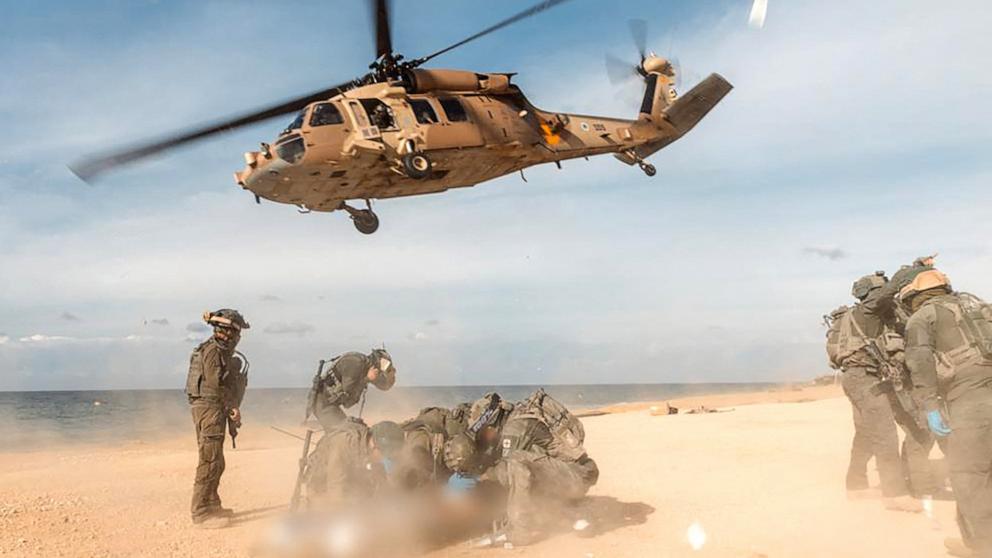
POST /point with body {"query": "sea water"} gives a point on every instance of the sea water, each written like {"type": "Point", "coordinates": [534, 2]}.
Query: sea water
{"type": "Point", "coordinates": [39, 419]}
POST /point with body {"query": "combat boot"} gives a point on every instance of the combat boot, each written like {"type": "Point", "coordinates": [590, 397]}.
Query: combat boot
{"type": "Point", "coordinates": [903, 503]}
{"type": "Point", "coordinates": [956, 547]}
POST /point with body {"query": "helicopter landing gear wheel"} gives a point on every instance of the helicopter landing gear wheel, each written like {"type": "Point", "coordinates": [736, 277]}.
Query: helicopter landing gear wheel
{"type": "Point", "coordinates": [417, 165]}
{"type": "Point", "coordinates": [648, 168]}
{"type": "Point", "coordinates": [365, 220]}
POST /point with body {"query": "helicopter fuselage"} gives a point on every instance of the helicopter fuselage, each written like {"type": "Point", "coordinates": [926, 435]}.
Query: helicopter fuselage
{"type": "Point", "coordinates": [473, 128]}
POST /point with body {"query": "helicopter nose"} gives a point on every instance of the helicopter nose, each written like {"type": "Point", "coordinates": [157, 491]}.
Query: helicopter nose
{"type": "Point", "coordinates": [251, 162]}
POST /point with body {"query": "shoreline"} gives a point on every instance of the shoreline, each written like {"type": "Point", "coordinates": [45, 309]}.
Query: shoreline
{"type": "Point", "coordinates": [784, 393]}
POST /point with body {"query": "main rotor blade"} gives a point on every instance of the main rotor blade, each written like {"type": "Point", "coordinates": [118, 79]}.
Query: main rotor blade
{"type": "Point", "coordinates": [383, 39]}
{"type": "Point", "coordinates": [89, 168]}
{"type": "Point", "coordinates": [533, 10]}
{"type": "Point", "coordinates": [639, 31]}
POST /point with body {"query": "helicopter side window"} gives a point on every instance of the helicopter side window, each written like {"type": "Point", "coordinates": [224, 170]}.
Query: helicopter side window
{"type": "Point", "coordinates": [380, 114]}
{"type": "Point", "coordinates": [325, 114]}
{"type": "Point", "coordinates": [423, 111]}
{"type": "Point", "coordinates": [454, 110]}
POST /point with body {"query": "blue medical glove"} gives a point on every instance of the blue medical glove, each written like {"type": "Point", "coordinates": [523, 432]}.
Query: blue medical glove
{"type": "Point", "coordinates": [937, 425]}
{"type": "Point", "coordinates": [461, 483]}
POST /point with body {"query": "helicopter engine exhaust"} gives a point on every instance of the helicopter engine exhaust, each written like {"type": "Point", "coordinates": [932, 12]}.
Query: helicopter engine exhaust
{"type": "Point", "coordinates": [423, 81]}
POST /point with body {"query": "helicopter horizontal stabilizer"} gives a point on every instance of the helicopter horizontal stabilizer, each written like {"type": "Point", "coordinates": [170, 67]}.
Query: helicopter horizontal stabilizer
{"type": "Point", "coordinates": [690, 108]}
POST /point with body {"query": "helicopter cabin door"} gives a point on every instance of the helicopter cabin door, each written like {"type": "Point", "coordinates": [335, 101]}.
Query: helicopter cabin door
{"type": "Point", "coordinates": [450, 127]}
{"type": "Point", "coordinates": [325, 131]}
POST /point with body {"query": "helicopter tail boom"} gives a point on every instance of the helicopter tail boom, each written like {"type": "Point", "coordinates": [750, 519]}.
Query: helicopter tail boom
{"type": "Point", "coordinates": [689, 109]}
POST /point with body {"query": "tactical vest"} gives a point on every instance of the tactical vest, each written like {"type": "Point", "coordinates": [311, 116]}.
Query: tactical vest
{"type": "Point", "coordinates": [195, 386]}
{"type": "Point", "coordinates": [973, 319]}
{"type": "Point", "coordinates": [844, 337]}
{"type": "Point", "coordinates": [432, 422]}
{"type": "Point", "coordinates": [333, 388]}
{"type": "Point", "coordinates": [194, 378]}
{"type": "Point", "coordinates": [566, 429]}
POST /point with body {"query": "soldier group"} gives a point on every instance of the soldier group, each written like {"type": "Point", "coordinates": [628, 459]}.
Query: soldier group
{"type": "Point", "coordinates": [913, 353]}
{"type": "Point", "coordinates": [916, 353]}
{"type": "Point", "coordinates": [530, 452]}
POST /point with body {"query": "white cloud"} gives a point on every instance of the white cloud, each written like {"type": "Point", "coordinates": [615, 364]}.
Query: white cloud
{"type": "Point", "coordinates": [41, 338]}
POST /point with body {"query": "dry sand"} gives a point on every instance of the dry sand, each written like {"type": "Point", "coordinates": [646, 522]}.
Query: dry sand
{"type": "Point", "coordinates": [765, 480]}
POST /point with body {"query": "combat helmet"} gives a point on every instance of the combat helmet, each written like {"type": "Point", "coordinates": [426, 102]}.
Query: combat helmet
{"type": "Point", "coordinates": [867, 284]}
{"type": "Point", "coordinates": [486, 412]}
{"type": "Point", "coordinates": [459, 453]}
{"type": "Point", "coordinates": [226, 318]}
{"type": "Point", "coordinates": [924, 281]}
{"type": "Point", "coordinates": [388, 437]}
{"type": "Point", "coordinates": [382, 360]}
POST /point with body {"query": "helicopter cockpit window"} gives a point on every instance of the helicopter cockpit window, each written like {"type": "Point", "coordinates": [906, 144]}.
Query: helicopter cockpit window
{"type": "Point", "coordinates": [297, 122]}
{"type": "Point", "coordinates": [291, 149]}
{"type": "Point", "coordinates": [325, 114]}
{"type": "Point", "coordinates": [379, 113]}
{"type": "Point", "coordinates": [454, 110]}
{"type": "Point", "coordinates": [423, 110]}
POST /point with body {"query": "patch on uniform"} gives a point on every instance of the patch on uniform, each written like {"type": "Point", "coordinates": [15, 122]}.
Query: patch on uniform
{"type": "Point", "coordinates": [507, 444]}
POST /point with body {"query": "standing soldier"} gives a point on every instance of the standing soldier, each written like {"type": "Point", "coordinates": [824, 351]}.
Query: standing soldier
{"type": "Point", "coordinates": [874, 423]}
{"type": "Point", "coordinates": [214, 388]}
{"type": "Point", "coordinates": [345, 383]}
{"type": "Point", "coordinates": [949, 355]}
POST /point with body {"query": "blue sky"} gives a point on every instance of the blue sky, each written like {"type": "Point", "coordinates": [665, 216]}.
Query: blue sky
{"type": "Point", "coordinates": [856, 139]}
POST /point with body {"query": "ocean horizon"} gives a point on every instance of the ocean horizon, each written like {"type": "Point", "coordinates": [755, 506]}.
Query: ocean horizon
{"type": "Point", "coordinates": [37, 419]}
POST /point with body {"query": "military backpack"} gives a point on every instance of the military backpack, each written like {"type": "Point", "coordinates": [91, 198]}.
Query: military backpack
{"type": "Point", "coordinates": [973, 318]}
{"type": "Point", "coordinates": [843, 336]}
{"type": "Point", "coordinates": [565, 427]}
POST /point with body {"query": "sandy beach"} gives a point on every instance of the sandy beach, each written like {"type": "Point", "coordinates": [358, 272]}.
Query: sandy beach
{"type": "Point", "coordinates": [764, 479]}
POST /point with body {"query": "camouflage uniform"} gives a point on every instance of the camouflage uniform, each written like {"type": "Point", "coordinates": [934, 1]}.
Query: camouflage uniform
{"type": "Point", "coordinates": [345, 385]}
{"type": "Point", "coordinates": [534, 474]}
{"type": "Point", "coordinates": [931, 331]}
{"type": "Point", "coordinates": [340, 469]}
{"type": "Point", "coordinates": [211, 396]}
{"type": "Point", "coordinates": [875, 431]}
{"type": "Point", "coordinates": [421, 461]}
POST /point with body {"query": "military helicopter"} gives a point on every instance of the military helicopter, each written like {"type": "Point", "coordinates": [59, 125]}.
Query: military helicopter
{"type": "Point", "coordinates": [403, 130]}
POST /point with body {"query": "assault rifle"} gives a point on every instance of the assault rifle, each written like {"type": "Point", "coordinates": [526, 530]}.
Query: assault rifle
{"type": "Point", "coordinates": [238, 383]}
{"type": "Point", "coordinates": [315, 390]}
{"type": "Point", "coordinates": [294, 502]}
{"type": "Point", "coordinates": [232, 428]}
{"type": "Point", "coordinates": [892, 384]}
